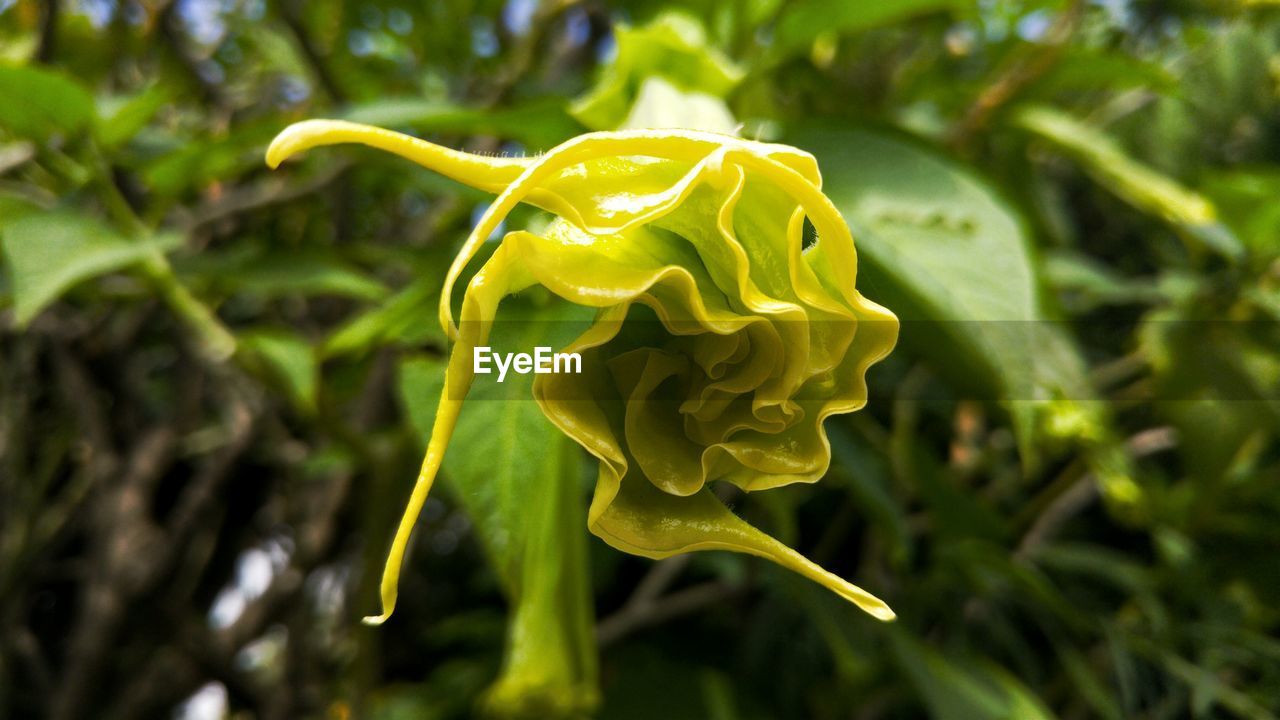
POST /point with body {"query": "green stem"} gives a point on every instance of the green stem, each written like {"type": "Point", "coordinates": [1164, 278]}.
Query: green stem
{"type": "Point", "coordinates": [216, 341]}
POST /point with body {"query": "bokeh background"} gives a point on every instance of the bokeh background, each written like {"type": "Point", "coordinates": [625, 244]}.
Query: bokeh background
{"type": "Point", "coordinates": [214, 377]}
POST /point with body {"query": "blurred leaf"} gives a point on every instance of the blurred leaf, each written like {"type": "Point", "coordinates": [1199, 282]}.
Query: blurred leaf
{"type": "Point", "coordinates": [1247, 199]}
{"type": "Point", "coordinates": [408, 318]}
{"type": "Point", "coordinates": [38, 102]}
{"type": "Point", "coordinates": [291, 359]}
{"type": "Point", "coordinates": [1139, 185]}
{"type": "Point", "coordinates": [48, 253]}
{"type": "Point", "coordinates": [196, 162]}
{"type": "Point", "coordinates": [119, 119]}
{"type": "Point", "coordinates": [519, 478]}
{"type": "Point", "coordinates": [804, 21]}
{"type": "Point", "coordinates": [1090, 284]}
{"type": "Point", "coordinates": [1204, 680]}
{"type": "Point", "coordinates": [870, 480]}
{"type": "Point", "coordinates": [718, 696]}
{"type": "Point", "coordinates": [964, 690]}
{"type": "Point", "coordinates": [673, 47]}
{"type": "Point", "coordinates": [15, 206]}
{"type": "Point", "coordinates": [277, 273]}
{"type": "Point", "coordinates": [661, 105]}
{"type": "Point", "coordinates": [1086, 68]}
{"type": "Point", "coordinates": [539, 123]}
{"type": "Point", "coordinates": [1084, 678]}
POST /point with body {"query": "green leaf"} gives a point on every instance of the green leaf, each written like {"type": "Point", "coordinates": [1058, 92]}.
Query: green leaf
{"type": "Point", "coordinates": [944, 252]}
{"type": "Point", "coordinates": [539, 123]}
{"type": "Point", "coordinates": [299, 272]}
{"type": "Point", "coordinates": [39, 102]}
{"type": "Point", "coordinates": [119, 119]}
{"type": "Point", "coordinates": [48, 253]}
{"type": "Point", "coordinates": [964, 690]}
{"type": "Point", "coordinates": [408, 317]}
{"type": "Point", "coordinates": [662, 105]}
{"type": "Point", "coordinates": [519, 478]}
{"type": "Point", "coordinates": [1090, 284]}
{"type": "Point", "coordinates": [1139, 185]}
{"type": "Point", "coordinates": [870, 480]}
{"type": "Point", "coordinates": [195, 162]}
{"type": "Point", "coordinates": [804, 21]}
{"type": "Point", "coordinates": [291, 359]}
{"type": "Point", "coordinates": [674, 48]}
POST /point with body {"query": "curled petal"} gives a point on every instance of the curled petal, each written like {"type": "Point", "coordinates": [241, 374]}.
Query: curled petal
{"type": "Point", "coordinates": [720, 344]}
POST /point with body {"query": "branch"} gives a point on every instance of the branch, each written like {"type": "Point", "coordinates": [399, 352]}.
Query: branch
{"type": "Point", "coordinates": [291, 13]}
{"type": "Point", "coordinates": [1080, 493]}
{"type": "Point", "coordinates": [668, 607]}
{"type": "Point", "coordinates": [1020, 72]}
{"type": "Point", "coordinates": [648, 606]}
{"type": "Point", "coordinates": [48, 30]}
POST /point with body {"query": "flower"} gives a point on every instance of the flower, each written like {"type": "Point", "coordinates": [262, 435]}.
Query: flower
{"type": "Point", "coordinates": [720, 342]}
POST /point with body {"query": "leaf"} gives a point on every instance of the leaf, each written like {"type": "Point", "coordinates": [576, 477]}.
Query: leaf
{"type": "Point", "coordinates": [48, 253]}
{"type": "Point", "coordinates": [298, 272]}
{"type": "Point", "coordinates": [870, 480]}
{"type": "Point", "coordinates": [519, 479]}
{"type": "Point", "coordinates": [291, 359]}
{"type": "Point", "coordinates": [674, 48]}
{"type": "Point", "coordinates": [195, 162]}
{"type": "Point", "coordinates": [538, 123]}
{"type": "Point", "coordinates": [804, 21]}
{"type": "Point", "coordinates": [1089, 69]}
{"type": "Point", "coordinates": [39, 102]}
{"type": "Point", "coordinates": [964, 690]}
{"type": "Point", "coordinates": [408, 317]}
{"type": "Point", "coordinates": [119, 119]}
{"type": "Point", "coordinates": [941, 249]}
{"type": "Point", "coordinates": [1091, 284]}
{"type": "Point", "coordinates": [662, 105]}
{"type": "Point", "coordinates": [1139, 185]}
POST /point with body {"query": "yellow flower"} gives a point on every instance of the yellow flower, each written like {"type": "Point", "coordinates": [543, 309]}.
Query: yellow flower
{"type": "Point", "coordinates": [719, 345]}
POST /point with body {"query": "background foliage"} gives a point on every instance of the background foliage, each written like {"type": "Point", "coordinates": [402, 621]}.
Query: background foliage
{"type": "Point", "coordinates": [215, 380]}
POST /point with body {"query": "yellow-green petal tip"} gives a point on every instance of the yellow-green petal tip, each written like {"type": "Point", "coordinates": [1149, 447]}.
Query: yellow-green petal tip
{"type": "Point", "coordinates": [295, 139]}
{"type": "Point", "coordinates": [375, 620]}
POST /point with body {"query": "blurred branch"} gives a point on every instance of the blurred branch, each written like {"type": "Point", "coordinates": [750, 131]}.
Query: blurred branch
{"type": "Point", "coordinates": [1021, 71]}
{"type": "Point", "coordinates": [1077, 490]}
{"type": "Point", "coordinates": [291, 13]}
{"type": "Point", "coordinates": [123, 539]}
{"type": "Point", "coordinates": [665, 608]}
{"type": "Point", "coordinates": [51, 10]}
{"type": "Point", "coordinates": [525, 52]}
{"type": "Point", "coordinates": [648, 605]}
{"type": "Point", "coordinates": [272, 191]}
{"type": "Point", "coordinates": [169, 27]}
